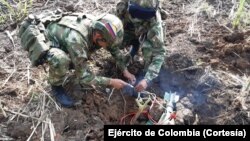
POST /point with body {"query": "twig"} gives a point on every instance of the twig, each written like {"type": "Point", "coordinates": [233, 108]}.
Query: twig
{"type": "Point", "coordinates": [23, 115]}
{"type": "Point", "coordinates": [125, 103]}
{"type": "Point", "coordinates": [78, 3]}
{"type": "Point", "coordinates": [42, 111]}
{"type": "Point", "coordinates": [244, 94]}
{"type": "Point", "coordinates": [221, 116]}
{"type": "Point", "coordinates": [85, 137]}
{"type": "Point", "coordinates": [43, 114]}
{"type": "Point", "coordinates": [247, 86]}
{"type": "Point", "coordinates": [11, 38]}
{"type": "Point", "coordinates": [4, 114]}
{"type": "Point", "coordinates": [39, 122]}
{"type": "Point", "coordinates": [196, 121]}
{"type": "Point", "coordinates": [14, 70]}
{"type": "Point", "coordinates": [11, 18]}
{"type": "Point", "coordinates": [52, 131]}
{"type": "Point", "coordinates": [237, 54]}
{"type": "Point", "coordinates": [28, 74]}
{"type": "Point", "coordinates": [57, 107]}
{"type": "Point", "coordinates": [43, 104]}
{"type": "Point", "coordinates": [44, 128]}
{"type": "Point", "coordinates": [111, 93]}
{"type": "Point", "coordinates": [23, 108]}
{"type": "Point", "coordinates": [19, 69]}
{"type": "Point", "coordinates": [29, 93]}
{"type": "Point", "coordinates": [231, 31]}
{"type": "Point", "coordinates": [6, 139]}
{"type": "Point", "coordinates": [96, 4]}
{"type": "Point", "coordinates": [46, 2]}
{"type": "Point", "coordinates": [188, 68]}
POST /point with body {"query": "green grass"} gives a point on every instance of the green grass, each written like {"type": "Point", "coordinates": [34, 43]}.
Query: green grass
{"type": "Point", "coordinates": [14, 11]}
{"type": "Point", "coordinates": [242, 17]}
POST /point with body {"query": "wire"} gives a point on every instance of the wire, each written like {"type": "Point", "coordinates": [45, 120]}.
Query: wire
{"type": "Point", "coordinates": [132, 114]}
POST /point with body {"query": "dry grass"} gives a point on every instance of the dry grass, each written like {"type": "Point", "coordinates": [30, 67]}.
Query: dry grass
{"type": "Point", "coordinates": [40, 105]}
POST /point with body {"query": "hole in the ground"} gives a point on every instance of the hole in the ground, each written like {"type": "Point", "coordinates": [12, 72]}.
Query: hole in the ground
{"type": "Point", "coordinates": [193, 86]}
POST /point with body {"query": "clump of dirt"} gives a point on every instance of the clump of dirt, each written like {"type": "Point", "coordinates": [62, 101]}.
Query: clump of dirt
{"type": "Point", "coordinates": [229, 51]}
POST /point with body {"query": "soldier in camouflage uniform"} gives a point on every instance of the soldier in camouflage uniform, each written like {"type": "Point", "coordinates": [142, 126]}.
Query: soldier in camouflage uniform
{"type": "Point", "coordinates": [62, 40]}
{"type": "Point", "coordinates": [143, 30]}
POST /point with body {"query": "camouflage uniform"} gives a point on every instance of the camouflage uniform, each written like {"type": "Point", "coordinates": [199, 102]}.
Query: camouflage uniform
{"type": "Point", "coordinates": [149, 33]}
{"type": "Point", "coordinates": [70, 41]}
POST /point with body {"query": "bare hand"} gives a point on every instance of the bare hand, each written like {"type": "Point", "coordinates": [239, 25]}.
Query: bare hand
{"type": "Point", "coordinates": [141, 86]}
{"type": "Point", "coordinates": [129, 76]}
{"type": "Point", "coordinates": [117, 83]}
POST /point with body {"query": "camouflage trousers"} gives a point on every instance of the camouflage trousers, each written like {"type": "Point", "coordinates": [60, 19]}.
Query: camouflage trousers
{"type": "Point", "coordinates": [151, 45]}
{"type": "Point", "coordinates": [44, 46]}
{"type": "Point", "coordinates": [69, 49]}
{"type": "Point", "coordinates": [58, 60]}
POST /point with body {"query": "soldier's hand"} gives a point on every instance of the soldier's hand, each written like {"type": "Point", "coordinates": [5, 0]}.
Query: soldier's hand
{"type": "Point", "coordinates": [129, 76]}
{"type": "Point", "coordinates": [118, 83]}
{"type": "Point", "coordinates": [141, 86]}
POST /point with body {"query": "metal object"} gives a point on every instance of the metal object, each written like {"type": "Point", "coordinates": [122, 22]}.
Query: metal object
{"type": "Point", "coordinates": [168, 116]}
{"type": "Point", "coordinates": [129, 90]}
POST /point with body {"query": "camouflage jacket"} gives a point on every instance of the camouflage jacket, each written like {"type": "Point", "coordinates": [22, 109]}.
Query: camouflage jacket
{"type": "Point", "coordinates": [80, 46]}
{"type": "Point", "coordinates": [153, 45]}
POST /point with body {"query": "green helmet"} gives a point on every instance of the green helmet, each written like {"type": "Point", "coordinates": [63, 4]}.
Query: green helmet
{"type": "Point", "coordinates": [111, 27]}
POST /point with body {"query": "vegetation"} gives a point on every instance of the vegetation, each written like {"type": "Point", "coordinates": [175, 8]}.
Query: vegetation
{"type": "Point", "coordinates": [242, 15]}
{"type": "Point", "coordinates": [13, 11]}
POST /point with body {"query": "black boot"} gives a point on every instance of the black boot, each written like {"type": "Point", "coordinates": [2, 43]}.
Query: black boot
{"type": "Point", "coordinates": [62, 96]}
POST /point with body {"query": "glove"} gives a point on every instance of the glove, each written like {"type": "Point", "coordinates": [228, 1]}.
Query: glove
{"type": "Point", "coordinates": [129, 90]}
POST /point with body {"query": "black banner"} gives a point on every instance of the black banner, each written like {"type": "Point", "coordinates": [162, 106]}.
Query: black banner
{"type": "Point", "coordinates": [201, 132]}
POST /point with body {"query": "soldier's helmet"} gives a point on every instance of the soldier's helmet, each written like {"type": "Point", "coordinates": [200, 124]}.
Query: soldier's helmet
{"type": "Point", "coordinates": [111, 27]}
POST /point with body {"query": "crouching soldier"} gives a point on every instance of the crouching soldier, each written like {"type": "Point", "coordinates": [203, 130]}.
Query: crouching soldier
{"type": "Point", "coordinates": [144, 31]}
{"type": "Point", "coordinates": [61, 40]}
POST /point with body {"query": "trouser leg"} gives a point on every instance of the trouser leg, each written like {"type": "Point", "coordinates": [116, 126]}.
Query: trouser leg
{"type": "Point", "coordinates": [59, 63]}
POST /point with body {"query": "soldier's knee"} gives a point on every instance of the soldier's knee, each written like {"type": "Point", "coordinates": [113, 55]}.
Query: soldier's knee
{"type": "Point", "coordinates": [58, 58]}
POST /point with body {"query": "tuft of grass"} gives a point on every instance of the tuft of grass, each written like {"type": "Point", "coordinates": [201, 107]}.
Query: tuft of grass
{"type": "Point", "coordinates": [13, 11]}
{"type": "Point", "coordinates": [241, 15]}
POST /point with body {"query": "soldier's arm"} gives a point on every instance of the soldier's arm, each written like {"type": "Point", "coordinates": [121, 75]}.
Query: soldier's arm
{"type": "Point", "coordinates": [158, 52]}
{"type": "Point", "coordinates": [77, 49]}
{"type": "Point", "coordinates": [121, 62]}
{"type": "Point", "coordinates": [121, 59]}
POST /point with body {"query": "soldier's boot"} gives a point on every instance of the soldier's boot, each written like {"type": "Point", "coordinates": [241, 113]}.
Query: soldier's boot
{"type": "Point", "coordinates": [62, 97]}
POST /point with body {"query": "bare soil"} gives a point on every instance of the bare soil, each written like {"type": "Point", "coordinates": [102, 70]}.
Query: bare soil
{"type": "Point", "coordinates": [207, 65]}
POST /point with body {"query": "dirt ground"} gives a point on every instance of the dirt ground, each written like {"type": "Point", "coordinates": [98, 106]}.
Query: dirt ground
{"type": "Point", "coordinates": [207, 65]}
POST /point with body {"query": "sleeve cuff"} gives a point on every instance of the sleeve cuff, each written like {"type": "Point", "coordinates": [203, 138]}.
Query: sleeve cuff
{"type": "Point", "coordinates": [148, 81]}
{"type": "Point", "coordinates": [104, 81]}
